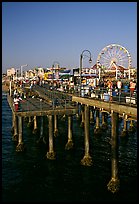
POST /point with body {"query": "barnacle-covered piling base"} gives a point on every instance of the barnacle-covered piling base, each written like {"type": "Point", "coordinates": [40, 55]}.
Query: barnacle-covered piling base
{"type": "Point", "coordinates": [51, 155]}
{"type": "Point", "coordinates": [87, 161]}
{"type": "Point", "coordinates": [69, 145]}
{"type": "Point", "coordinates": [114, 185]}
{"type": "Point", "coordinates": [20, 147]}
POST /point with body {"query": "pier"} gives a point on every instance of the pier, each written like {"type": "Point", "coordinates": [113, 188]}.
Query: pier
{"type": "Point", "coordinates": [52, 103]}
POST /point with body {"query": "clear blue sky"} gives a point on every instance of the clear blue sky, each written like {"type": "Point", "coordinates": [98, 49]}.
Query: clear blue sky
{"type": "Point", "coordinates": [39, 33]}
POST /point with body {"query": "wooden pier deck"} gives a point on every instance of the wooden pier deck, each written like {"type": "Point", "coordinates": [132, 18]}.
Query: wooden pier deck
{"type": "Point", "coordinates": [44, 102]}
{"type": "Point", "coordinates": [40, 107]}
{"type": "Point", "coordinates": [109, 106]}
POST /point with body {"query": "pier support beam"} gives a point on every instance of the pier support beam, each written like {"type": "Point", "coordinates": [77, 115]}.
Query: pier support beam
{"type": "Point", "coordinates": [35, 125]}
{"type": "Point", "coordinates": [69, 144]}
{"type": "Point", "coordinates": [42, 128]}
{"type": "Point", "coordinates": [42, 131]}
{"type": "Point", "coordinates": [51, 154]}
{"type": "Point", "coordinates": [87, 160]}
{"type": "Point", "coordinates": [55, 126]}
{"type": "Point", "coordinates": [104, 124]}
{"type": "Point", "coordinates": [15, 129]}
{"type": "Point", "coordinates": [131, 126]}
{"type": "Point", "coordinates": [79, 109]}
{"type": "Point", "coordinates": [97, 128]}
{"type": "Point", "coordinates": [63, 117]}
{"type": "Point", "coordinates": [82, 116]}
{"type": "Point", "coordinates": [124, 131]}
{"type": "Point", "coordinates": [114, 183]}
{"type": "Point", "coordinates": [20, 146]}
{"type": "Point", "coordinates": [26, 119]}
{"type": "Point", "coordinates": [91, 115]}
{"type": "Point", "coordinates": [29, 122]}
{"type": "Point", "coordinates": [77, 116]}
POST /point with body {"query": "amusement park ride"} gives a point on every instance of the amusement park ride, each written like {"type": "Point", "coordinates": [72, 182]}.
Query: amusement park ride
{"type": "Point", "coordinates": [114, 58]}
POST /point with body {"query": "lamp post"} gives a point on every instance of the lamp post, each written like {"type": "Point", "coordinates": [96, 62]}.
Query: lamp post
{"type": "Point", "coordinates": [16, 73]}
{"type": "Point", "coordinates": [58, 65]}
{"type": "Point", "coordinates": [10, 89]}
{"type": "Point", "coordinates": [80, 70]}
{"type": "Point", "coordinates": [22, 68]}
{"type": "Point", "coordinates": [53, 67]}
{"type": "Point", "coordinates": [129, 73]}
{"type": "Point", "coordinates": [99, 68]}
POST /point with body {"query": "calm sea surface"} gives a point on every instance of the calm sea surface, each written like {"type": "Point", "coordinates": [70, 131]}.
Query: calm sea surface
{"type": "Point", "coordinates": [29, 176]}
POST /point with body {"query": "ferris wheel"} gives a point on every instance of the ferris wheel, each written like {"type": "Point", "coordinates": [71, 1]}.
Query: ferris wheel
{"type": "Point", "coordinates": [114, 56]}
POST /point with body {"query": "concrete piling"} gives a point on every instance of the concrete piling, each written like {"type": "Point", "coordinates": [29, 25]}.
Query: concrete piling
{"type": "Point", "coordinates": [69, 144]}
{"type": "Point", "coordinates": [15, 128]}
{"type": "Point", "coordinates": [20, 146]}
{"type": "Point", "coordinates": [55, 126]}
{"type": "Point", "coordinates": [50, 154]}
{"type": "Point", "coordinates": [114, 183]}
{"type": "Point", "coordinates": [35, 125]}
{"type": "Point", "coordinates": [82, 116]}
{"type": "Point", "coordinates": [97, 128]}
{"type": "Point", "coordinates": [87, 160]}
{"type": "Point", "coordinates": [124, 131]}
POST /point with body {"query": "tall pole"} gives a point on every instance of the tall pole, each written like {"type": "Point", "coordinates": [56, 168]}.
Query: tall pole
{"type": "Point", "coordinates": [116, 72]}
{"type": "Point", "coordinates": [80, 70]}
{"type": "Point", "coordinates": [16, 74]}
{"type": "Point", "coordinates": [99, 69]}
{"type": "Point", "coordinates": [10, 87]}
{"type": "Point", "coordinates": [22, 68]}
{"type": "Point", "coordinates": [81, 57]}
{"type": "Point", "coordinates": [129, 73]}
{"type": "Point", "coordinates": [56, 68]}
{"type": "Point", "coordinates": [22, 73]}
{"type": "Point", "coordinates": [53, 68]}
{"type": "Point", "coordinates": [53, 99]}
{"type": "Point", "coordinates": [99, 72]}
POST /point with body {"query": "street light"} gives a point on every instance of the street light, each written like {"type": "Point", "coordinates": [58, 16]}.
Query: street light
{"type": "Point", "coordinates": [53, 67]}
{"type": "Point", "coordinates": [80, 70]}
{"type": "Point", "coordinates": [56, 62]}
{"type": "Point", "coordinates": [99, 65]}
{"type": "Point", "coordinates": [16, 73]}
{"type": "Point", "coordinates": [22, 68]}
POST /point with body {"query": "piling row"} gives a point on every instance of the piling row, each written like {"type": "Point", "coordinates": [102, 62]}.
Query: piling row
{"type": "Point", "coordinates": [88, 113]}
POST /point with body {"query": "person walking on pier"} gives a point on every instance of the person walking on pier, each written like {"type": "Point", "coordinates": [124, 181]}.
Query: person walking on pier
{"type": "Point", "coordinates": [110, 85]}
{"type": "Point", "coordinates": [119, 85]}
{"type": "Point", "coordinates": [132, 87]}
{"type": "Point", "coordinates": [16, 102]}
{"type": "Point", "coordinates": [15, 93]}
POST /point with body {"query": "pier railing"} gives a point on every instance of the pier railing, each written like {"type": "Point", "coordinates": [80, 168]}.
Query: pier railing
{"type": "Point", "coordinates": [121, 96]}
{"type": "Point", "coordinates": [58, 99]}
{"type": "Point", "coordinates": [63, 99]}
{"type": "Point", "coordinates": [42, 99]}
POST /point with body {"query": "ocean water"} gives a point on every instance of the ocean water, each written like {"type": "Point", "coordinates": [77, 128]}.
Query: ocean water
{"type": "Point", "coordinates": [30, 177]}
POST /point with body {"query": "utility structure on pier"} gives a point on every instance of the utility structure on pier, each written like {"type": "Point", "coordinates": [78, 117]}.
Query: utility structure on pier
{"type": "Point", "coordinates": [81, 65]}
